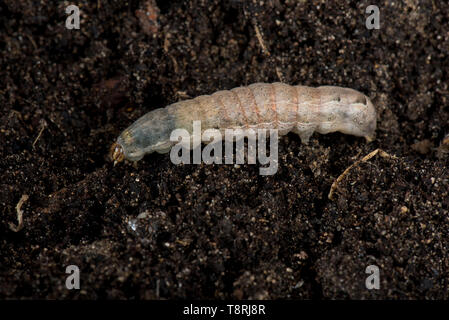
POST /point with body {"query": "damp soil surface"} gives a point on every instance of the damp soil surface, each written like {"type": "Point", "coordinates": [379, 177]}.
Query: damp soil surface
{"type": "Point", "coordinates": [157, 230]}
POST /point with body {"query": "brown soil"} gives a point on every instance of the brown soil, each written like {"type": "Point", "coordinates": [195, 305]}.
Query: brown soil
{"type": "Point", "coordinates": [218, 231]}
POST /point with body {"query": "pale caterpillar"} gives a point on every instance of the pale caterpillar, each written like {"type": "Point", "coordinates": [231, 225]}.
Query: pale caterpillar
{"type": "Point", "coordinates": [300, 109]}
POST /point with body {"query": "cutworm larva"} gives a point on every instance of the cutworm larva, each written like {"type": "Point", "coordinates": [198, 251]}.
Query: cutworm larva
{"type": "Point", "coordinates": [300, 109]}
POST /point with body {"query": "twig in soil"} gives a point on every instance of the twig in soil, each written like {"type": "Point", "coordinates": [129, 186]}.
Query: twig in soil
{"type": "Point", "coordinates": [266, 52]}
{"type": "Point", "coordinates": [280, 75]}
{"type": "Point", "coordinates": [43, 125]}
{"type": "Point", "coordinates": [19, 214]}
{"type": "Point", "coordinates": [32, 41]}
{"type": "Point", "coordinates": [382, 153]}
{"type": "Point", "coordinates": [260, 39]}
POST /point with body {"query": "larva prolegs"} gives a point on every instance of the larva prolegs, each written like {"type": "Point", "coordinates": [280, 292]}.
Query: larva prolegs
{"type": "Point", "coordinates": [305, 132]}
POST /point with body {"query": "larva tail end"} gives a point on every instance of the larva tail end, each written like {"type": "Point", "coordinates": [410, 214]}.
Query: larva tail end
{"type": "Point", "coordinates": [116, 153]}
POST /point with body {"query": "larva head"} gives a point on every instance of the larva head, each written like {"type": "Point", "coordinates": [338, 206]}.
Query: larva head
{"type": "Point", "coordinates": [128, 146]}
{"type": "Point", "coordinates": [116, 153]}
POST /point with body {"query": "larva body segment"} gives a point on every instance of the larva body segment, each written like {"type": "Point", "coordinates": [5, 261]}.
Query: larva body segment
{"type": "Point", "coordinates": [271, 106]}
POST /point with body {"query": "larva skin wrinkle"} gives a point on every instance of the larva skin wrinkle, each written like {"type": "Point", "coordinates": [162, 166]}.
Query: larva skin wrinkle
{"type": "Point", "coordinates": [300, 109]}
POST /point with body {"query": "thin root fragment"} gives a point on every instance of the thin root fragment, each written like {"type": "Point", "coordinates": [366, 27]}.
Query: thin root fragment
{"type": "Point", "coordinates": [280, 75]}
{"type": "Point", "coordinates": [260, 38]}
{"type": "Point", "coordinates": [19, 214]}
{"type": "Point", "coordinates": [43, 125]}
{"type": "Point", "coordinates": [382, 153]}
